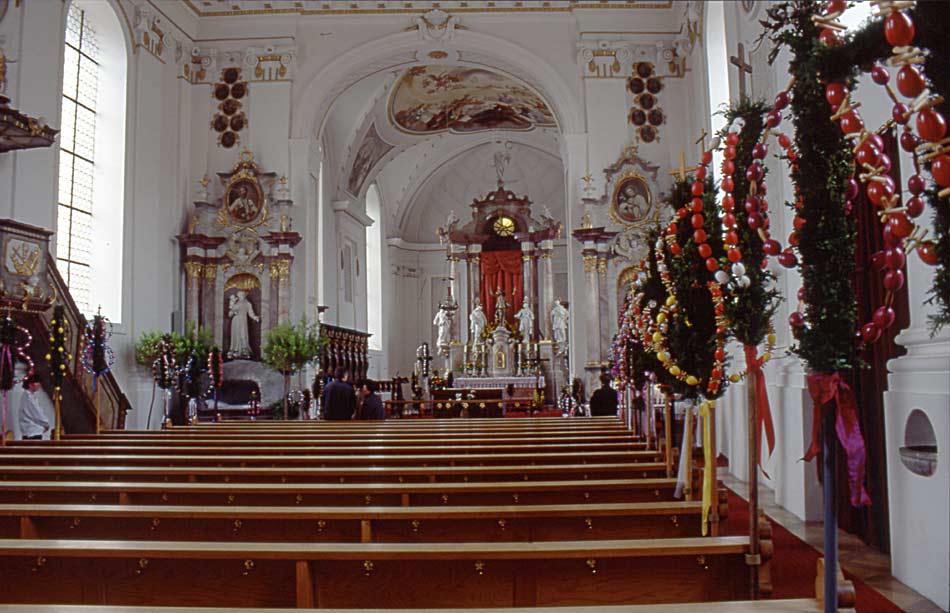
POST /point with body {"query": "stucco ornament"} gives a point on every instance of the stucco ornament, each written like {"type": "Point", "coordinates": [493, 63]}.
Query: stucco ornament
{"type": "Point", "coordinates": [436, 26]}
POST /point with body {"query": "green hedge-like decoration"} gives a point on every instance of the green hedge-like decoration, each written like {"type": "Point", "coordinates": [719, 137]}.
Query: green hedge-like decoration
{"type": "Point", "coordinates": [750, 309]}
{"type": "Point", "coordinates": [864, 47]}
{"type": "Point", "coordinates": [824, 166]}
{"type": "Point", "coordinates": [653, 292]}
{"type": "Point", "coordinates": [691, 336]}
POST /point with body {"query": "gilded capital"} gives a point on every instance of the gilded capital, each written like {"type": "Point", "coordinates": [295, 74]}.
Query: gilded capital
{"type": "Point", "coordinates": [193, 269]}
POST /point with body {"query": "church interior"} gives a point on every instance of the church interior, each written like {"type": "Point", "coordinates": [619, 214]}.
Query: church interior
{"type": "Point", "coordinates": [652, 295]}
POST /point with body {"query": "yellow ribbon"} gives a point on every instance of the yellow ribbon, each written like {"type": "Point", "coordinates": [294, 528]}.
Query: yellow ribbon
{"type": "Point", "coordinates": [709, 466]}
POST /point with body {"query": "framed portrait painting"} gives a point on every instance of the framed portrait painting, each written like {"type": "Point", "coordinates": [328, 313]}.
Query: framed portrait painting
{"type": "Point", "coordinates": [244, 200]}
{"type": "Point", "coordinates": [631, 201]}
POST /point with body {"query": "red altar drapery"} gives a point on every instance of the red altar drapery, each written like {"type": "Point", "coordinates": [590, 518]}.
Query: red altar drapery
{"type": "Point", "coordinates": [502, 269]}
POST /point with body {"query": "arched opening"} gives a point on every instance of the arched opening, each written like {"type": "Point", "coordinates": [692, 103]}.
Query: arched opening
{"type": "Point", "coordinates": [91, 195]}
{"type": "Point", "coordinates": [374, 270]}
{"type": "Point", "coordinates": [717, 70]}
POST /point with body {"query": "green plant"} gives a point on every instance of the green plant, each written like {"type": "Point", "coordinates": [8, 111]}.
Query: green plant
{"type": "Point", "coordinates": [290, 347]}
{"type": "Point", "coordinates": [195, 340]}
{"type": "Point", "coordinates": [148, 347]}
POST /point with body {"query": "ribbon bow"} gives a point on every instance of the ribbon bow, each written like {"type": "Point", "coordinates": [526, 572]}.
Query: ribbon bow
{"type": "Point", "coordinates": [762, 410]}
{"type": "Point", "coordinates": [825, 388]}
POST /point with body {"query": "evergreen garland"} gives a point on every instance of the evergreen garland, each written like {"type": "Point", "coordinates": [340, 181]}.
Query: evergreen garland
{"type": "Point", "coordinates": [749, 309]}
{"type": "Point", "coordinates": [653, 293]}
{"type": "Point", "coordinates": [692, 331]}
{"type": "Point", "coordinates": [822, 172]}
{"type": "Point", "coordinates": [864, 47]}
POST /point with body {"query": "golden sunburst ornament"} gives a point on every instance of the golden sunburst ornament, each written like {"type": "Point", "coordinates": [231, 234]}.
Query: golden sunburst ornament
{"type": "Point", "coordinates": [504, 226]}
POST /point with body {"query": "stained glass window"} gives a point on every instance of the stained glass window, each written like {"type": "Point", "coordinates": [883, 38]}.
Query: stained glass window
{"type": "Point", "coordinates": [77, 157]}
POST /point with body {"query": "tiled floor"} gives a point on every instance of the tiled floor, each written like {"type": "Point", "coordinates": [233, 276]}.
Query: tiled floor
{"type": "Point", "coordinates": [867, 563]}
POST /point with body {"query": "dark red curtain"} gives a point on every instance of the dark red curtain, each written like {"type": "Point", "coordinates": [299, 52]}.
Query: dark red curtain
{"type": "Point", "coordinates": [502, 269]}
{"type": "Point", "coordinates": [869, 384]}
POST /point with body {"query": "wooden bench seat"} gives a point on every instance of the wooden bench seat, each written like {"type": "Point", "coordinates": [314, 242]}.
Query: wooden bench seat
{"type": "Point", "coordinates": [354, 474]}
{"type": "Point", "coordinates": [339, 494]}
{"type": "Point", "coordinates": [173, 448]}
{"type": "Point", "coordinates": [564, 573]}
{"type": "Point", "coordinates": [353, 524]}
{"type": "Point", "coordinates": [799, 605]}
{"type": "Point", "coordinates": [326, 438]}
{"type": "Point", "coordinates": [52, 456]}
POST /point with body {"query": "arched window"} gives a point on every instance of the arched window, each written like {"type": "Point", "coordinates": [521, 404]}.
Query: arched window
{"type": "Point", "coordinates": [92, 158]}
{"type": "Point", "coordinates": [374, 270]}
{"type": "Point", "coordinates": [717, 70]}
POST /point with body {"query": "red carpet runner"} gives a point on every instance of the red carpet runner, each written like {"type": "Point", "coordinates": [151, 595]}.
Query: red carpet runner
{"type": "Point", "coordinates": [793, 567]}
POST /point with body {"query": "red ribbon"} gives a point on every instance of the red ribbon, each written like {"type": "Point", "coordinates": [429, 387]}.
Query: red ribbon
{"type": "Point", "coordinates": [762, 409]}
{"type": "Point", "coordinates": [826, 388]}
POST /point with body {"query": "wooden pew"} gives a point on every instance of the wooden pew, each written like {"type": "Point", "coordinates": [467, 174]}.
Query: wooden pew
{"type": "Point", "coordinates": [218, 450]}
{"type": "Point", "coordinates": [99, 457]}
{"type": "Point", "coordinates": [339, 494]}
{"type": "Point", "coordinates": [798, 605]}
{"type": "Point", "coordinates": [562, 573]}
{"type": "Point", "coordinates": [355, 474]}
{"type": "Point", "coordinates": [353, 524]}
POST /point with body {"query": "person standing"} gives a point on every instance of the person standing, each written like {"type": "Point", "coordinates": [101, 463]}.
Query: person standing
{"type": "Point", "coordinates": [33, 421]}
{"type": "Point", "coordinates": [372, 407]}
{"type": "Point", "coordinates": [339, 400]}
{"type": "Point", "coordinates": [604, 400]}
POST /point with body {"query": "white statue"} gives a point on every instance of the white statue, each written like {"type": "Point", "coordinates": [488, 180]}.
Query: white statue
{"type": "Point", "coordinates": [559, 319]}
{"type": "Point", "coordinates": [443, 320]}
{"type": "Point", "coordinates": [476, 324]}
{"type": "Point", "coordinates": [501, 159]}
{"type": "Point", "coordinates": [501, 306]}
{"type": "Point", "coordinates": [239, 309]}
{"type": "Point", "coordinates": [525, 319]}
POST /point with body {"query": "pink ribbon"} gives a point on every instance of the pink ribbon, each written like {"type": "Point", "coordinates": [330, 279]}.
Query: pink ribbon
{"type": "Point", "coordinates": [762, 409]}
{"type": "Point", "coordinates": [825, 388]}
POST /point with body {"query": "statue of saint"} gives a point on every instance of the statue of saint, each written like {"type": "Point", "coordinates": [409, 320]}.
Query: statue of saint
{"type": "Point", "coordinates": [525, 319]}
{"type": "Point", "coordinates": [443, 320]}
{"type": "Point", "coordinates": [501, 305]}
{"type": "Point", "coordinates": [559, 319]}
{"type": "Point", "coordinates": [476, 324]}
{"type": "Point", "coordinates": [239, 309]}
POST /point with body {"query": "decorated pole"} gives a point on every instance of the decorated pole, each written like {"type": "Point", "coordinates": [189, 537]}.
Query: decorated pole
{"type": "Point", "coordinates": [58, 358]}
{"type": "Point", "coordinates": [97, 356]}
{"type": "Point", "coordinates": [667, 433]}
{"type": "Point", "coordinates": [215, 373]}
{"type": "Point", "coordinates": [14, 341]}
{"type": "Point", "coordinates": [164, 370]}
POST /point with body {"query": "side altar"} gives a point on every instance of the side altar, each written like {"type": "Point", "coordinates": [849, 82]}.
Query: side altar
{"type": "Point", "coordinates": [517, 329]}
{"type": "Point", "coordinates": [237, 255]}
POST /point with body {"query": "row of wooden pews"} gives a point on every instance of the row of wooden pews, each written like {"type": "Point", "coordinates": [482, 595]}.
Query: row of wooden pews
{"type": "Point", "coordinates": [455, 513]}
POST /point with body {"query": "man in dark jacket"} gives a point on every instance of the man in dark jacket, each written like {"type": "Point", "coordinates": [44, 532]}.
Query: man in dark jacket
{"type": "Point", "coordinates": [604, 400]}
{"type": "Point", "coordinates": [372, 404]}
{"type": "Point", "coordinates": [339, 400]}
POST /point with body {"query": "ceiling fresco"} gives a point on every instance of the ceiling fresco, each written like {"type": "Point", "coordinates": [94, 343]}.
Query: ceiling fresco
{"type": "Point", "coordinates": [432, 99]}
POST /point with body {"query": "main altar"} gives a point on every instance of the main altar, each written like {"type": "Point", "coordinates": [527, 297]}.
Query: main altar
{"type": "Point", "coordinates": [516, 333]}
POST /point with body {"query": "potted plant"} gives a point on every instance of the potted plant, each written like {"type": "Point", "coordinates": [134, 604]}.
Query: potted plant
{"type": "Point", "coordinates": [290, 347]}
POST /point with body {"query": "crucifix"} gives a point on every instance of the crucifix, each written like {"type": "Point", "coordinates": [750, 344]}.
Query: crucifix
{"type": "Point", "coordinates": [680, 173]}
{"type": "Point", "coordinates": [744, 67]}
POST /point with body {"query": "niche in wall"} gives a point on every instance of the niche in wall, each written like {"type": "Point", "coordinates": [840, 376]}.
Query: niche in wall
{"type": "Point", "coordinates": [919, 453]}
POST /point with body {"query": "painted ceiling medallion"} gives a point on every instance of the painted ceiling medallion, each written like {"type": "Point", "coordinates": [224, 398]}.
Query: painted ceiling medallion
{"type": "Point", "coordinates": [430, 99]}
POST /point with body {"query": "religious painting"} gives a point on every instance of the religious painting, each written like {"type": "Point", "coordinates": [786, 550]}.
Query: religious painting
{"type": "Point", "coordinates": [371, 151]}
{"type": "Point", "coordinates": [429, 99]}
{"type": "Point", "coordinates": [631, 200]}
{"type": "Point", "coordinates": [244, 200]}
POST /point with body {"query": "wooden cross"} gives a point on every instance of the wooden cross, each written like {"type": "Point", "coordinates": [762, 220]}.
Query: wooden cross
{"type": "Point", "coordinates": [745, 68]}
{"type": "Point", "coordinates": [701, 141]}
{"type": "Point", "coordinates": [680, 173]}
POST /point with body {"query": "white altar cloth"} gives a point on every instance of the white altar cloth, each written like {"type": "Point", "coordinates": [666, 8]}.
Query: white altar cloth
{"type": "Point", "coordinates": [497, 382]}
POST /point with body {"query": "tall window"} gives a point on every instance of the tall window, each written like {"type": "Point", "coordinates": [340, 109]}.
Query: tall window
{"type": "Point", "coordinates": [92, 158]}
{"type": "Point", "coordinates": [717, 69]}
{"type": "Point", "coordinates": [374, 270]}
